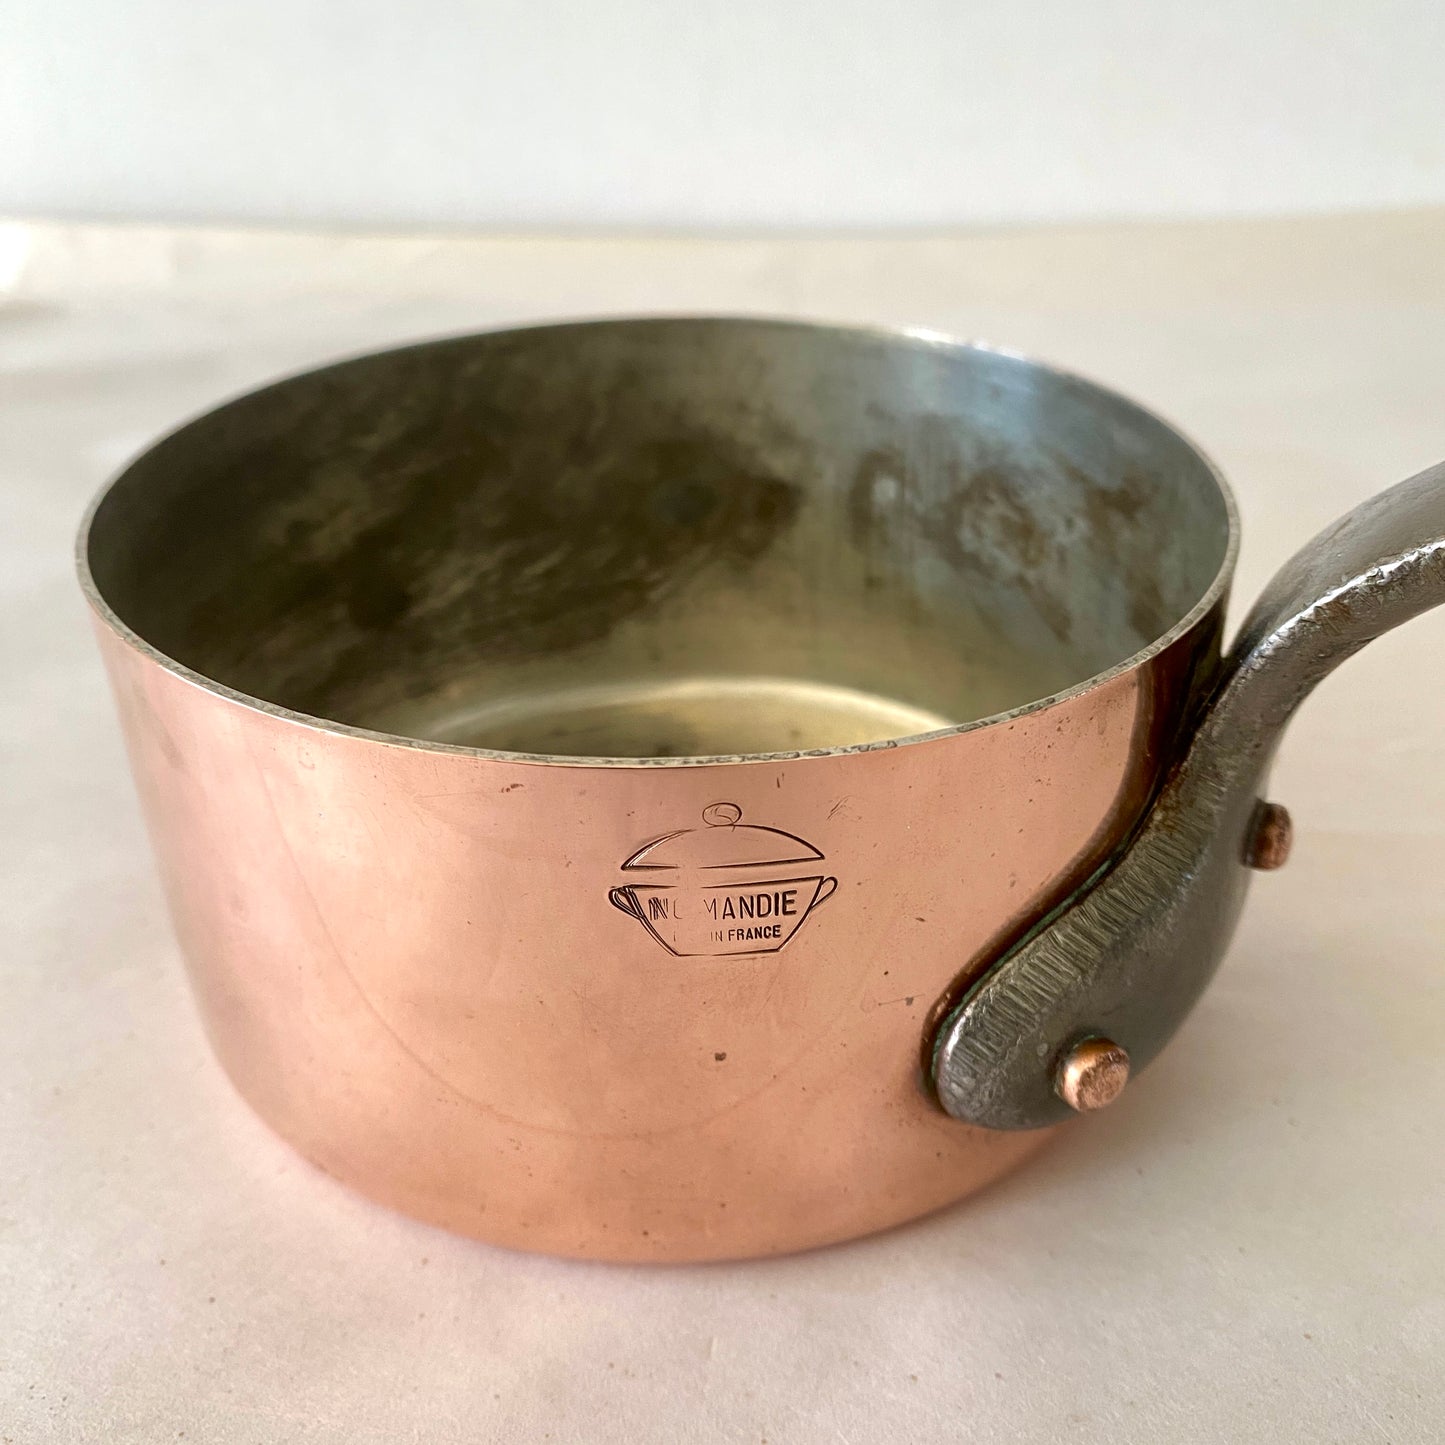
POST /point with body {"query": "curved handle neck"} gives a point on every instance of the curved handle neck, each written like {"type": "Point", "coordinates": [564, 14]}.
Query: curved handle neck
{"type": "Point", "coordinates": [1378, 566]}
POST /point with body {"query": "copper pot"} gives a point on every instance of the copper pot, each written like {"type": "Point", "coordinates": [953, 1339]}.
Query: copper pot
{"type": "Point", "coordinates": [686, 789]}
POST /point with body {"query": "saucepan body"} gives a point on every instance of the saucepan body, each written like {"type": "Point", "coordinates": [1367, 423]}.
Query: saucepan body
{"type": "Point", "coordinates": [583, 759]}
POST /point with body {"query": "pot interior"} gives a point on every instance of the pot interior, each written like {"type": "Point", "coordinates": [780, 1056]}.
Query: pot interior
{"type": "Point", "coordinates": [663, 538]}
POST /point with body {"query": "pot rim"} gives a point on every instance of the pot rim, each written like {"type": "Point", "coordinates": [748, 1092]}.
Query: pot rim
{"type": "Point", "coordinates": [922, 337]}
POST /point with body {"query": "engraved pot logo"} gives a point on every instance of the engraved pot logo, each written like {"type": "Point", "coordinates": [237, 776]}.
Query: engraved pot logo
{"type": "Point", "coordinates": [727, 887]}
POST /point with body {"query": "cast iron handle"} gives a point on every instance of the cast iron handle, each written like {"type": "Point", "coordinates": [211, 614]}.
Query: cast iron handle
{"type": "Point", "coordinates": [1128, 955]}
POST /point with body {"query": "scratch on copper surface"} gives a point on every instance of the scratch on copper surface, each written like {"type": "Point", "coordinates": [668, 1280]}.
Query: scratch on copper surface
{"type": "Point", "coordinates": [907, 999]}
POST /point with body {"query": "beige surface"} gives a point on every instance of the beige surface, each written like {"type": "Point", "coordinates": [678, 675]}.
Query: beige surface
{"type": "Point", "coordinates": [1249, 1247]}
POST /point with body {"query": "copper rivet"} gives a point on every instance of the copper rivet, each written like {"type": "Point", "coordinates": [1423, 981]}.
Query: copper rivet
{"type": "Point", "coordinates": [1092, 1075]}
{"type": "Point", "coordinates": [1269, 844]}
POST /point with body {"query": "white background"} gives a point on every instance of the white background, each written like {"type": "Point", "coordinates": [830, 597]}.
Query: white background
{"type": "Point", "coordinates": [749, 113]}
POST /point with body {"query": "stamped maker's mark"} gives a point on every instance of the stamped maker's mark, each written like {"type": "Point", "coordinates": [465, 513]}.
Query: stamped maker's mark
{"type": "Point", "coordinates": [727, 887]}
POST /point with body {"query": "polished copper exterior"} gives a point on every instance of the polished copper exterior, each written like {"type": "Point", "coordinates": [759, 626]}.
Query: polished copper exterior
{"type": "Point", "coordinates": [408, 963]}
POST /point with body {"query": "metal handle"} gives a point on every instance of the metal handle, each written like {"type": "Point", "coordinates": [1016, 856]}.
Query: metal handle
{"type": "Point", "coordinates": [1127, 956]}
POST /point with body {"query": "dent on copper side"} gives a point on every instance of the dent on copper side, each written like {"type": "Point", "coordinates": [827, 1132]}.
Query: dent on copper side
{"type": "Point", "coordinates": [1128, 957]}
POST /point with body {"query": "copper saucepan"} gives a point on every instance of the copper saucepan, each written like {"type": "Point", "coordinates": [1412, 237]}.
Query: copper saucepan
{"type": "Point", "coordinates": [687, 789]}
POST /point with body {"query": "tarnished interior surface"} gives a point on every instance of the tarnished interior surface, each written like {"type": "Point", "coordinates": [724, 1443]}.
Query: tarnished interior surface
{"type": "Point", "coordinates": [662, 538]}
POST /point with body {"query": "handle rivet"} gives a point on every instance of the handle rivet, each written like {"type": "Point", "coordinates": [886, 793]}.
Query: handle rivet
{"type": "Point", "coordinates": [1269, 843]}
{"type": "Point", "coordinates": [1092, 1075]}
